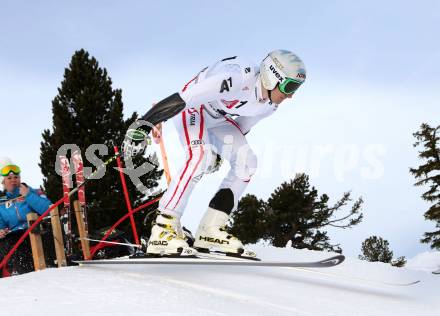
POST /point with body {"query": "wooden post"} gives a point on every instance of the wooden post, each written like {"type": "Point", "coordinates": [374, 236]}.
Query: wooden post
{"type": "Point", "coordinates": [58, 238]}
{"type": "Point", "coordinates": [36, 245]}
{"type": "Point", "coordinates": [82, 232]}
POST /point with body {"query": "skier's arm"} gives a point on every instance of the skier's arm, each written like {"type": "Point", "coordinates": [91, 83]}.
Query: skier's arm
{"type": "Point", "coordinates": [217, 86]}
{"type": "Point", "coordinates": [224, 85]}
{"type": "Point", "coordinates": [136, 139]}
{"type": "Point", "coordinates": [164, 110]}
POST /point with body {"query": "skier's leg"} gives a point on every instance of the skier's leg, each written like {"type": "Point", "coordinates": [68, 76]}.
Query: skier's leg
{"type": "Point", "coordinates": [191, 126]}
{"type": "Point", "coordinates": [167, 235]}
{"type": "Point", "coordinates": [211, 232]}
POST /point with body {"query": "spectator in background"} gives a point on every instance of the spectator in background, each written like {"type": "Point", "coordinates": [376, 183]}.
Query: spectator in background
{"type": "Point", "coordinates": [18, 200]}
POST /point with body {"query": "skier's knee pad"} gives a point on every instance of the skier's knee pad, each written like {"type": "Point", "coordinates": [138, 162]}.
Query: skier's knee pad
{"type": "Point", "coordinates": [223, 201]}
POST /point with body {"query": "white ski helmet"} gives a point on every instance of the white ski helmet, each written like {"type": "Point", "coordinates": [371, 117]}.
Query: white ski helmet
{"type": "Point", "coordinates": [282, 67]}
{"type": "Point", "coordinates": [4, 162]}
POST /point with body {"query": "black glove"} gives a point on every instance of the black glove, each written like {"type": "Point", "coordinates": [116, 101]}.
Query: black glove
{"type": "Point", "coordinates": [136, 140]}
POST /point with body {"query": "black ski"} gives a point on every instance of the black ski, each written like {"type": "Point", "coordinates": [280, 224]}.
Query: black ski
{"type": "Point", "coordinates": [326, 263]}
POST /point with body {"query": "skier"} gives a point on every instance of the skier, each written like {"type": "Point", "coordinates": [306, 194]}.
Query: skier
{"type": "Point", "coordinates": [213, 113]}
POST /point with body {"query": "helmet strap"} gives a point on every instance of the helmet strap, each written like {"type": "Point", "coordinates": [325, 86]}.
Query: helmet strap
{"type": "Point", "coordinates": [269, 93]}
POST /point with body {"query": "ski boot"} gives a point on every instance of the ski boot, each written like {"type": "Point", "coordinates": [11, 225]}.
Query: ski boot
{"type": "Point", "coordinates": [212, 236]}
{"type": "Point", "coordinates": [167, 238]}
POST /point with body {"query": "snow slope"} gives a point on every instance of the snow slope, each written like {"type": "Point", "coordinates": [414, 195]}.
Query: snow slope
{"type": "Point", "coordinates": [425, 261]}
{"type": "Point", "coordinates": [187, 290]}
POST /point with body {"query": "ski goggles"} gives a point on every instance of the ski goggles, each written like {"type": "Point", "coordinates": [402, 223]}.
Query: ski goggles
{"type": "Point", "coordinates": [6, 170]}
{"type": "Point", "coordinates": [289, 85]}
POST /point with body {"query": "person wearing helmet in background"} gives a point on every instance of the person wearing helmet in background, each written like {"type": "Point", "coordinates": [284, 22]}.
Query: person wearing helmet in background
{"type": "Point", "coordinates": [16, 202]}
{"type": "Point", "coordinates": [213, 113]}
{"type": "Point", "coordinates": [19, 199]}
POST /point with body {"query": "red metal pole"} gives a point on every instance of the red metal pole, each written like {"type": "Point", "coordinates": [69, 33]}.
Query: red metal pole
{"type": "Point", "coordinates": [26, 233]}
{"type": "Point", "coordinates": [127, 197]}
{"type": "Point", "coordinates": [121, 220]}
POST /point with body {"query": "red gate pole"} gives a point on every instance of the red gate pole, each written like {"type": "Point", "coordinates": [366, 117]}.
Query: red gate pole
{"type": "Point", "coordinates": [109, 231]}
{"type": "Point", "coordinates": [127, 197]}
{"type": "Point", "coordinates": [26, 233]}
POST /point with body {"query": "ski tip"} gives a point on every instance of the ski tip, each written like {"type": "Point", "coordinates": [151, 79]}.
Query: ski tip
{"type": "Point", "coordinates": [415, 282]}
{"type": "Point", "coordinates": [333, 261]}
{"type": "Point", "coordinates": [403, 284]}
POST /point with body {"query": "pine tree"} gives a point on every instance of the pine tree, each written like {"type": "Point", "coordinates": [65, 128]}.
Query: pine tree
{"type": "Point", "coordinates": [88, 111]}
{"type": "Point", "coordinates": [295, 212]}
{"type": "Point", "coordinates": [429, 174]}
{"type": "Point", "coordinates": [376, 249]}
{"type": "Point", "coordinates": [249, 221]}
{"type": "Point", "coordinates": [399, 262]}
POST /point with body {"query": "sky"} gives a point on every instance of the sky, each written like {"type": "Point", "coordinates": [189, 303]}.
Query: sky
{"type": "Point", "coordinates": [372, 79]}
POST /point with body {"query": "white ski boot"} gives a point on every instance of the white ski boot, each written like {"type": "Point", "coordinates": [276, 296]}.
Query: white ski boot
{"type": "Point", "coordinates": [212, 236]}
{"type": "Point", "coordinates": [167, 238]}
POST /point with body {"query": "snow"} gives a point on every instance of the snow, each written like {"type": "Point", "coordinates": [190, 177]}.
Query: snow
{"type": "Point", "coordinates": [425, 261]}
{"type": "Point", "coordinates": [353, 288]}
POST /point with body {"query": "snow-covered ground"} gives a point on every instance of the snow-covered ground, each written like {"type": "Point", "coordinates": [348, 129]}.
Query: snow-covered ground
{"type": "Point", "coordinates": [353, 288]}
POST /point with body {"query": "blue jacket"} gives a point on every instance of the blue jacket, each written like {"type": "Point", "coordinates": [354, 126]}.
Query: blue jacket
{"type": "Point", "coordinates": [13, 214]}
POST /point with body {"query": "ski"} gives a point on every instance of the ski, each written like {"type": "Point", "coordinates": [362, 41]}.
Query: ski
{"type": "Point", "coordinates": [222, 260]}
{"type": "Point", "coordinates": [226, 256]}
{"type": "Point", "coordinates": [325, 263]}
{"type": "Point", "coordinates": [436, 272]}
{"type": "Point", "coordinates": [66, 213]}
{"type": "Point", "coordinates": [79, 176]}
{"type": "Point", "coordinates": [113, 242]}
{"type": "Point", "coordinates": [356, 279]}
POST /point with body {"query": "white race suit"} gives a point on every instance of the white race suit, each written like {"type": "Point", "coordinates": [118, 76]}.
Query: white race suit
{"type": "Point", "coordinates": [223, 102]}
